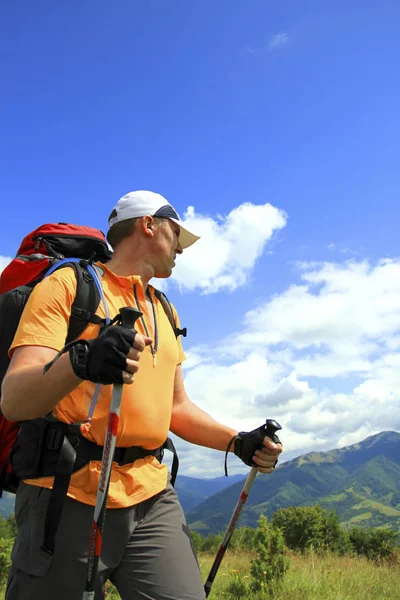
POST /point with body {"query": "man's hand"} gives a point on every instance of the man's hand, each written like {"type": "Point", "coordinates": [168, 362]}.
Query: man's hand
{"type": "Point", "coordinates": [266, 458]}
{"type": "Point", "coordinates": [112, 357]}
{"type": "Point", "coordinates": [256, 449]}
{"type": "Point", "coordinates": [132, 359]}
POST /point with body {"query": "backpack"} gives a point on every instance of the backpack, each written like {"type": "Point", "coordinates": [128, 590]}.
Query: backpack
{"type": "Point", "coordinates": [42, 251]}
{"type": "Point", "coordinates": [46, 247]}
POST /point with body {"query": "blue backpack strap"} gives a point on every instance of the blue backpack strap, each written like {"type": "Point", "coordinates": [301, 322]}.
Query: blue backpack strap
{"type": "Point", "coordinates": [89, 293]}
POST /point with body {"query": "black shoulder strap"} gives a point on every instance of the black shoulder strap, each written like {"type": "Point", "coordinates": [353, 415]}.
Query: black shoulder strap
{"type": "Point", "coordinates": [12, 304]}
{"type": "Point", "coordinates": [169, 445]}
{"type": "Point", "coordinates": [86, 302]}
{"type": "Point", "coordinates": [169, 312]}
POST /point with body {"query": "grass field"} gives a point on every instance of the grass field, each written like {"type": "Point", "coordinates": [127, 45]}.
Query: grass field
{"type": "Point", "coordinates": [309, 578]}
{"type": "Point", "coordinates": [316, 578]}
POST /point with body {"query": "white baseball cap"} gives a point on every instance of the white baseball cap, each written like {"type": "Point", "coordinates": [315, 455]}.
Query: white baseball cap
{"type": "Point", "coordinates": [142, 203]}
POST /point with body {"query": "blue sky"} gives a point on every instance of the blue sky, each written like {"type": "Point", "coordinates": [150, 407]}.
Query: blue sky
{"type": "Point", "coordinates": [227, 106]}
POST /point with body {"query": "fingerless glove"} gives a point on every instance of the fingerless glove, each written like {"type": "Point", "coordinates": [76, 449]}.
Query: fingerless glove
{"type": "Point", "coordinates": [246, 443]}
{"type": "Point", "coordinates": [103, 359]}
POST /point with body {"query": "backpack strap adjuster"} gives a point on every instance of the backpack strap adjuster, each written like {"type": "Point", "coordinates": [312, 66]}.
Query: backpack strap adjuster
{"type": "Point", "coordinates": [125, 456]}
{"type": "Point", "coordinates": [54, 439]}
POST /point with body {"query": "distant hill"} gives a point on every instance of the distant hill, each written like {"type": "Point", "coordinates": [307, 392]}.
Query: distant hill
{"type": "Point", "coordinates": [360, 482]}
{"type": "Point", "coordinates": [7, 504]}
{"type": "Point", "coordinates": [192, 492]}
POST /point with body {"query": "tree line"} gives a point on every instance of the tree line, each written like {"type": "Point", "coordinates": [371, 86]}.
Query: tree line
{"type": "Point", "coordinates": [311, 527]}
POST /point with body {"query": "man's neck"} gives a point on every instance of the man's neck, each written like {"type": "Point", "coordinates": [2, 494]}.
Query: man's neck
{"type": "Point", "coordinates": [123, 268]}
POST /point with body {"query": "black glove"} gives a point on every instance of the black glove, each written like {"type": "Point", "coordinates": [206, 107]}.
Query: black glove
{"type": "Point", "coordinates": [103, 359]}
{"type": "Point", "coordinates": [246, 443]}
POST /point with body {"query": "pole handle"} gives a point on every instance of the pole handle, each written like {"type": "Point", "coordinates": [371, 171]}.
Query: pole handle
{"type": "Point", "coordinates": [271, 427]}
{"type": "Point", "coordinates": [129, 316]}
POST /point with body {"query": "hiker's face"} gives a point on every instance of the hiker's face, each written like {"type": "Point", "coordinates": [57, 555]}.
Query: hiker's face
{"type": "Point", "coordinates": [167, 247]}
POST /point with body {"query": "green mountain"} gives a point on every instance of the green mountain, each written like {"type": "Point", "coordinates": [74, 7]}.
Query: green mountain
{"type": "Point", "coordinates": [7, 505]}
{"type": "Point", "coordinates": [360, 482]}
{"type": "Point", "coordinates": [192, 492]}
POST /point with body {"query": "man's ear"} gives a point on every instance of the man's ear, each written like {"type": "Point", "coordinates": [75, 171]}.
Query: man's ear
{"type": "Point", "coordinates": [147, 224]}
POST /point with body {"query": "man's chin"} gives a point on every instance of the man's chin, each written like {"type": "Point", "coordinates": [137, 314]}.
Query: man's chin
{"type": "Point", "coordinates": [163, 274]}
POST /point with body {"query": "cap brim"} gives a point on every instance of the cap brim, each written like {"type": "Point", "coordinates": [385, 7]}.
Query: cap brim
{"type": "Point", "coordinates": [186, 238]}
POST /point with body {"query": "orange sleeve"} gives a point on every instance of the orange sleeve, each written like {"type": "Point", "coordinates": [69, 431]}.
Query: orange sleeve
{"type": "Point", "coordinates": [181, 354]}
{"type": "Point", "coordinates": [45, 319]}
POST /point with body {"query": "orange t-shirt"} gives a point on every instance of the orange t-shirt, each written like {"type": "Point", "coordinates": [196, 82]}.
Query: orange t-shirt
{"type": "Point", "coordinates": [146, 404]}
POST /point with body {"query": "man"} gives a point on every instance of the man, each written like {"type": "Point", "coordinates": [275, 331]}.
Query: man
{"type": "Point", "coordinates": [146, 550]}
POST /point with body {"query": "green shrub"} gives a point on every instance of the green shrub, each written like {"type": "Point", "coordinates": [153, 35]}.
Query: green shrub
{"type": "Point", "coordinates": [375, 544]}
{"type": "Point", "coordinates": [197, 541]}
{"type": "Point", "coordinates": [8, 527]}
{"type": "Point", "coordinates": [211, 543]}
{"type": "Point", "coordinates": [238, 587]}
{"type": "Point", "coordinates": [311, 526]}
{"type": "Point", "coordinates": [243, 538]}
{"type": "Point", "coordinates": [5, 559]}
{"type": "Point", "coordinates": [269, 567]}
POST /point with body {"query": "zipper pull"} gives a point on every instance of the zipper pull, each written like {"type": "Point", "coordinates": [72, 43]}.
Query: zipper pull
{"type": "Point", "coordinates": [154, 358]}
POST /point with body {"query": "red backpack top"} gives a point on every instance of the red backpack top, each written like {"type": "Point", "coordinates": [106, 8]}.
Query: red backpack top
{"type": "Point", "coordinates": [47, 244]}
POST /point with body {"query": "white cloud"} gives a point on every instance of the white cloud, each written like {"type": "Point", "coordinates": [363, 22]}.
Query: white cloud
{"type": "Point", "coordinates": [340, 315]}
{"type": "Point", "coordinates": [224, 257]}
{"type": "Point", "coordinates": [339, 325]}
{"type": "Point", "coordinates": [280, 39]}
{"type": "Point", "coordinates": [4, 260]}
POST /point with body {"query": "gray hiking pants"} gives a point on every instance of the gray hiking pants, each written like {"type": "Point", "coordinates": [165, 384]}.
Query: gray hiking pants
{"type": "Point", "coordinates": [147, 552]}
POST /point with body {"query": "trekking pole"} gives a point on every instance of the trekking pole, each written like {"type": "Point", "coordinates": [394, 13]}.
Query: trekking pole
{"type": "Point", "coordinates": [271, 427]}
{"type": "Point", "coordinates": [128, 318]}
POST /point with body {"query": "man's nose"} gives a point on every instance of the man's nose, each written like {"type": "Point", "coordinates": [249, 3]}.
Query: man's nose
{"type": "Point", "coordinates": [179, 249]}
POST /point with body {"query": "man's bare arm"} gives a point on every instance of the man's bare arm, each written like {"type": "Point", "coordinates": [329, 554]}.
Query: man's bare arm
{"type": "Point", "coordinates": [27, 393]}
{"type": "Point", "coordinates": [194, 425]}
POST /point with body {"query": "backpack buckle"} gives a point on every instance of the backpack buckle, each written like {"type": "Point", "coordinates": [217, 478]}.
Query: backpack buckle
{"type": "Point", "coordinates": [127, 455]}
{"type": "Point", "coordinates": [54, 439]}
